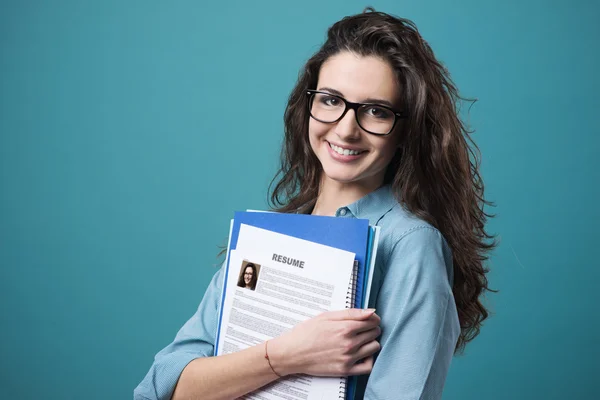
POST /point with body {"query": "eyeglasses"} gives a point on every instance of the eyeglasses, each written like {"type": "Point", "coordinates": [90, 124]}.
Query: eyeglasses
{"type": "Point", "coordinates": [376, 119]}
{"type": "Point", "coordinates": [248, 274]}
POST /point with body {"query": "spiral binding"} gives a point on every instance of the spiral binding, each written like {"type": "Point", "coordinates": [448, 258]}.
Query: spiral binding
{"type": "Point", "coordinates": [350, 302]}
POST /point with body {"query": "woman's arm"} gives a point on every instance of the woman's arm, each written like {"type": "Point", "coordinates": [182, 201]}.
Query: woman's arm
{"type": "Point", "coordinates": [419, 320]}
{"type": "Point", "coordinates": [328, 345]}
{"type": "Point", "coordinates": [224, 377]}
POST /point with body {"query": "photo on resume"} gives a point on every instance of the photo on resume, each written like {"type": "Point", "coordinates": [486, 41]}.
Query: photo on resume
{"type": "Point", "coordinates": [248, 275]}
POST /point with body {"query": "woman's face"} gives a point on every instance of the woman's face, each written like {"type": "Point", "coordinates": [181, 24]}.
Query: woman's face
{"type": "Point", "coordinates": [248, 273]}
{"type": "Point", "coordinates": [361, 80]}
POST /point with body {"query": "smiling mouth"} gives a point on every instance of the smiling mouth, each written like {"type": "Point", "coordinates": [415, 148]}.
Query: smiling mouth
{"type": "Point", "coordinates": [345, 152]}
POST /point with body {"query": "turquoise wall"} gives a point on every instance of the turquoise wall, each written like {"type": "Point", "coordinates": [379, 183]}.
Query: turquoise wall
{"type": "Point", "coordinates": [131, 131]}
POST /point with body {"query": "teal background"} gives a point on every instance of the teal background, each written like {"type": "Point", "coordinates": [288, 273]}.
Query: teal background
{"type": "Point", "coordinates": [130, 131]}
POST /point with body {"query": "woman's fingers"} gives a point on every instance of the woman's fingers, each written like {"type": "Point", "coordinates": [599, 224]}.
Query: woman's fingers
{"type": "Point", "coordinates": [357, 327]}
{"type": "Point", "coordinates": [367, 350]}
{"type": "Point", "coordinates": [367, 336]}
{"type": "Point", "coordinates": [356, 314]}
{"type": "Point", "coordinates": [364, 359]}
{"type": "Point", "coordinates": [363, 367]}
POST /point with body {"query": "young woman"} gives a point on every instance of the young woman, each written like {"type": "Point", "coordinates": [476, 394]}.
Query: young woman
{"type": "Point", "coordinates": [248, 278]}
{"type": "Point", "coordinates": [371, 131]}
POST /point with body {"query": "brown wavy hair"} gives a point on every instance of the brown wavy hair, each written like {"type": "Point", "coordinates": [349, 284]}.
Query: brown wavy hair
{"type": "Point", "coordinates": [435, 172]}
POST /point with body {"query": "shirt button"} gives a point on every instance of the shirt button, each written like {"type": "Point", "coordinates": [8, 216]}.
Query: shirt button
{"type": "Point", "coordinates": [343, 212]}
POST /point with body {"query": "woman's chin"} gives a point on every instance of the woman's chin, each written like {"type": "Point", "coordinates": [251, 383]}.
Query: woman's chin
{"type": "Point", "coordinates": [341, 176]}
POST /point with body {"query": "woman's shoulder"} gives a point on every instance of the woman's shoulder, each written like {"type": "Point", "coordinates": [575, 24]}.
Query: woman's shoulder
{"type": "Point", "coordinates": [383, 209]}
{"type": "Point", "coordinates": [406, 238]}
{"type": "Point", "coordinates": [399, 224]}
{"type": "Point", "coordinates": [395, 221]}
{"type": "Point", "coordinates": [400, 221]}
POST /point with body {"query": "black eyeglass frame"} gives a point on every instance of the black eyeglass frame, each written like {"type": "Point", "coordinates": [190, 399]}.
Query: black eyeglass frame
{"type": "Point", "coordinates": [354, 106]}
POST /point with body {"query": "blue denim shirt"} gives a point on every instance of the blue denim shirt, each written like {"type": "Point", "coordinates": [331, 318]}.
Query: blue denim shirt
{"type": "Point", "coordinates": [412, 292]}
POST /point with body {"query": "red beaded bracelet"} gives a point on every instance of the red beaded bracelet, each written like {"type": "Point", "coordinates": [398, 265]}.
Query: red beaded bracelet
{"type": "Point", "coordinates": [269, 361]}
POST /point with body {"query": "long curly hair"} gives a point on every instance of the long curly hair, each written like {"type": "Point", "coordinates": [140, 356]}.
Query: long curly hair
{"type": "Point", "coordinates": [435, 171]}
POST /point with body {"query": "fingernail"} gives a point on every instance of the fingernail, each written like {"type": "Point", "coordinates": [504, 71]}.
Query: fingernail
{"type": "Point", "coordinates": [369, 311]}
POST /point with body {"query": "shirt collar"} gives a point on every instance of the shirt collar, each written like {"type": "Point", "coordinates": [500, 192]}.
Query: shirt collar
{"type": "Point", "coordinates": [373, 206]}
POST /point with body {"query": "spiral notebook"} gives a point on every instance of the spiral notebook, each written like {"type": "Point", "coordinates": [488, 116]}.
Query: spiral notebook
{"type": "Point", "coordinates": [347, 234]}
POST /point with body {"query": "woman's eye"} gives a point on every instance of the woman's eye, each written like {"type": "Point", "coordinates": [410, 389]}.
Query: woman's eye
{"type": "Point", "coordinates": [330, 101]}
{"type": "Point", "coordinates": [378, 112]}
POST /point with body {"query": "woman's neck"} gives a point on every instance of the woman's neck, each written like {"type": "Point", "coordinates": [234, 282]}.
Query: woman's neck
{"type": "Point", "coordinates": [333, 195]}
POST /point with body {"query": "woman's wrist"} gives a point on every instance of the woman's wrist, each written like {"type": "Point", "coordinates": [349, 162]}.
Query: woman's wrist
{"type": "Point", "coordinates": [278, 357]}
{"type": "Point", "coordinates": [268, 358]}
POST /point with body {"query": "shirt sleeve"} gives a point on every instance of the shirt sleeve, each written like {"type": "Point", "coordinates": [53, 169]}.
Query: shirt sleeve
{"type": "Point", "coordinates": [419, 320]}
{"type": "Point", "coordinates": [194, 340]}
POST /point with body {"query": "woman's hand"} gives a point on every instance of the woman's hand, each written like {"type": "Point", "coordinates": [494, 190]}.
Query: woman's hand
{"type": "Point", "coordinates": [330, 344]}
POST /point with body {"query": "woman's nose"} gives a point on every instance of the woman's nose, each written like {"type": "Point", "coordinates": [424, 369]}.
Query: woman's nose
{"type": "Point", "coordinates": [347, 128]}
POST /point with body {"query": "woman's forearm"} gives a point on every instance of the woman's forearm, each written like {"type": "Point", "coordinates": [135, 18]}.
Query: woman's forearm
{"type": "Point", "coordinates": [330, 344]}
{"type": "Point", "coordinates": [225, 377]}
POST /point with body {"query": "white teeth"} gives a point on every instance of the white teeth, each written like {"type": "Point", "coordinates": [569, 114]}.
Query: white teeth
{"type": "Point", "coordinates": [344, 152]}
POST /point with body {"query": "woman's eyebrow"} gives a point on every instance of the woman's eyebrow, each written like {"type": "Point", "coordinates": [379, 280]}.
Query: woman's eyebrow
{"type": "Point", "coordinates": [369, 100]}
